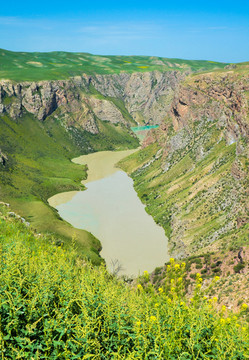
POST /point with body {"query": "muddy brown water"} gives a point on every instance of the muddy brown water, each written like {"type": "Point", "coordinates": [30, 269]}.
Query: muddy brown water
{"type": "Point", "coordinates": [110, 209]}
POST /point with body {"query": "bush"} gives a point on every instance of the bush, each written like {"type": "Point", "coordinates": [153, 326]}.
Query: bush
{"type": "Point", "coordinates": [237, 268]}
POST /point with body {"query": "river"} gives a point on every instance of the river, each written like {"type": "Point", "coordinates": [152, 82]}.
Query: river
{"type": "Point", "coordinates": [111, 210]}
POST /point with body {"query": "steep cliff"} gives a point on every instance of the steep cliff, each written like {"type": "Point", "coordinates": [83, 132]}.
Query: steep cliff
{"type": "Point", "coordinates": [142, 98]}
{"type": "Point", "coordinates": [193, 171]}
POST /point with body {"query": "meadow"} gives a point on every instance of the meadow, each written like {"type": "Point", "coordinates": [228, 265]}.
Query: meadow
{"type": "Point", "coordinates": [23, 66]}
{"type": "Point", "coordinates": [54, 304]}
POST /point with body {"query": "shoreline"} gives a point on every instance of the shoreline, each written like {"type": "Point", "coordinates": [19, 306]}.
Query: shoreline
{"type": "Point", "coordinates": [99, 168]}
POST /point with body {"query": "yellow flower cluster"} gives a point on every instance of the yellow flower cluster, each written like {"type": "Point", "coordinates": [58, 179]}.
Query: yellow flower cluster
{"type": "Point", "coordinates": [152, 318]}
{"type": "Point", "coordinates": [139, 287]}
{"type": "Point", "coordinates": [199, 278]}
{"type": "Point", "coordinates": [160, 290]}
{"type": "Point", "coordinates": [244, 307]}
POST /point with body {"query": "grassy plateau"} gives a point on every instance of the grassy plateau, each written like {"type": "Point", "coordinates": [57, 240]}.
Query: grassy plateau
{"type": "Point", "coordinates": [22, 66]}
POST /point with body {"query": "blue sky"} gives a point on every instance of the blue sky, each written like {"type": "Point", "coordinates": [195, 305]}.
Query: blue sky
{"type": "Point", "coordinates": [211, 30]}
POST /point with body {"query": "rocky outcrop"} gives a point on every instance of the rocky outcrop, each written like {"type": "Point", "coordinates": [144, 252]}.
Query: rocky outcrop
{"type": "Point", "coordinates": [213, 97]}
{"type": "Point", "coordinates": [3, 159]}
{"type": "Point", "coordinates": [106, 111]}
{"type": "Point", "coordinates": [146, 96]}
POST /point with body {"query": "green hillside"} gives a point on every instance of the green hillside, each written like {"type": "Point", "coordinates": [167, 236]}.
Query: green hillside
{"type": "Point", "coordinates": [55, 305]}
{"type": "Point", "coordinates": [23, 66]}
{"type": "Point", "coordinates": [38, 165]}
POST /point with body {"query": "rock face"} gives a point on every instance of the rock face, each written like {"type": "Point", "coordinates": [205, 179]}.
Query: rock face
{"type": "Point", "coordinates": [146, 96]}
{"type": "Point", "coordinates": [198, 188]}
{"type": "Point", "coordinates": [214, 97]}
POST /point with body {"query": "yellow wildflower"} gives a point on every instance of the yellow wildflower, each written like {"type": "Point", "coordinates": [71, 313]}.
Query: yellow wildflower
{"type": "Point", "coordinates": [160, 290]}
{"type": "Point", "coordinates": [168, 267]}
{"type": "Point", "coordinates": [152, 318]}
{"type": "Point", "coordinates": [139, 287]}
{"type": "Point", "coordinates": [156, 305]}
{"type": "Point", "coordinates": [198, 286]}
{"type": "Point", "coordinates": [177, 266]}
{"type": "Point", "coordinates": [237, 325]}
{"type": "Point", "coordinates": [183, 264]}
{"type": "Point", "coordinates": [244, 328]}
{"type": "Point", "coordinates": [146, 273]}
{"type": "Point", "coordinates": [198, 275]}
{"type": "Point", "coordinates": [172, 281]}
{"type": "Point", "coordinates": [222, 321]}
{"type": "Point", "coordinates": [216, 278]}
{"type": "Point", "coordinates": [244, 307]}
{"type": "Point", "coordinates": [179, 279]}
{"type": "Point", "coordinates": [138, 323]}
{"type": "Point", "coordinates": [171, 260]}
{"type": "Point", "coordinates": [235, 317]}
{"type": "Point", "coordinates": [169, 301]}
{"type": "Point", "coordinates": [172, 289]}
{"type": "Point", "coordinates": [204, 298]}
{"type": "Point", "coordinates": [215, 299]}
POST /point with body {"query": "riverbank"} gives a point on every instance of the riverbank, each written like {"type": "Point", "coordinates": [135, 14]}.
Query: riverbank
{"type": "Point", "coordinates": [111, 210]}
{"type": "Point", "coordinates": [99, 165]}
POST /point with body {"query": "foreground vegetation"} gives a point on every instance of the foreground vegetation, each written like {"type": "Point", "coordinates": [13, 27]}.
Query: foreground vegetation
{"type": "Point", "coordinates": [35, 66]}
{"type": "Point", "coordinates": [56, 305]}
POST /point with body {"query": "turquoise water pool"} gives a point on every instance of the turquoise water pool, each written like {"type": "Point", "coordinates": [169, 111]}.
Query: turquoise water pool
{"type": "Point", "coordinates": [142, 128]}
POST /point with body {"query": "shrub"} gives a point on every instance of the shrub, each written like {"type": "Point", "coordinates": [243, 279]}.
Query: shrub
{"type": "Point", "coordinates": [237, 268]}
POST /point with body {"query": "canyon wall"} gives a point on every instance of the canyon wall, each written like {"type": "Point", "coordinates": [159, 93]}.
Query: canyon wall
{"type": "Point", "coordinates": [197, 171]}
{"type": "Point", "coordinates": [143, 98]}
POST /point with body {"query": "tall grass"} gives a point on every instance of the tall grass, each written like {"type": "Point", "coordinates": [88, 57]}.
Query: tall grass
{"type": "Point", "coordinates": [55, 305]}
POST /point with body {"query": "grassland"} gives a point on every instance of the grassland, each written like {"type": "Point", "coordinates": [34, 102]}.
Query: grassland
{"type": "Point", "coordinates": [55, 305]}
{"type": "Point", "coordinates": [21, 66]}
